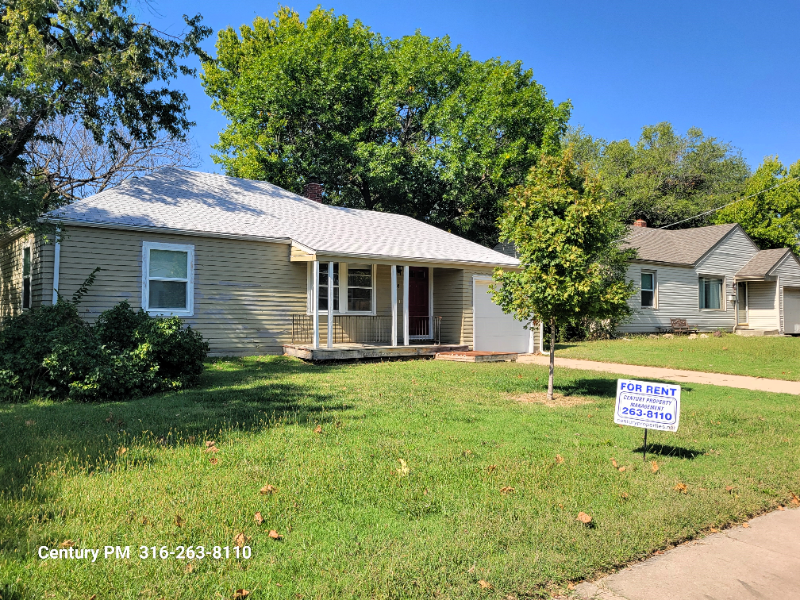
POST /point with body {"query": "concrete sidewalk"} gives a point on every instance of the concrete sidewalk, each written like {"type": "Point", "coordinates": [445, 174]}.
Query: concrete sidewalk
{"type": "Point", "coordinates": [676, 375]}
{"type": "Point", "coordinates": [758, 562]}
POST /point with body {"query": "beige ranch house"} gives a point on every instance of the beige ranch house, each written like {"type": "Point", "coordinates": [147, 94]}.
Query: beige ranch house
{"type": "Point", "coordinates": [714, 277]}
{"type": "Point", "coordinates": [259, 270]}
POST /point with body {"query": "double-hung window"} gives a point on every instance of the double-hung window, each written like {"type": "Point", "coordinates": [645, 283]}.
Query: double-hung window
{"type": "Point", "coordinates": [168, 279]}
{"type": "Point", "coordinates": [26, 277]}
{"type": "Point", "coordinates": [711, 293]}
{"type": "Point", "coordinates": [353, 288]}
{"type": "Point", "coordinates": [648, 289]}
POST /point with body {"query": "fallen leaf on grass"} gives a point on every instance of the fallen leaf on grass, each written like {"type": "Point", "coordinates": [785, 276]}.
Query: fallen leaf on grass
{"type": "Point", "coordinates": [212, 449]}
{"type": "Point", "coordinates": [570, 586]}
{"type": "Point", "coordinates": [795, 499]}
{"type": "Point", "coordinates": [559, 459]}
{"type": "Point", "coordinates": [622, 469]}
{"type": "Point", "coordinates": [729, 489]}
{"type": "Point", "coordinates": [654, 467]}
{"type": "Point", "coordinates": [318, 429]}
{"type": "Point", "coordinates": [214, 460]}
{"type": "Point", "coordinates": [268, 489]}
{"type": "Point", "coordinates": [491, 468]}
{"type": "Point", "coordinates": [121, 450]}
{"type": "Point", "coordinates": [66, 544]}
{"type": "Point", "coordinates": [189, 568]}
{"type": "Point", "coordinates": [93, 597]}
{"type": "Point", "coordinates": [240, 539]}
{"type": "Point", "coordinates": [507, 490]}
{"type": "Point", "coordinates": [258, 518]}
{"type": "Point", "coordinates": [485, 585]}
{"type": "Point", "coordinates": [179, 521]}
{"type": "Point", "coordinates": [681, 487]}
{"type": "Point", "coordinates": [584, 518]}
{"type": "Point", "coordinates": [624, 495]}
{"type": "Point", "coordinates": [275, 535]}
{"type": "Point", "coordinates": [780, 507]}
{"type": "Point", "coordinates": [210, 443]}
{"type": "Point", "coordinates": [403, 469]}
{"type": "Point", "coordinates": [239, 594]}
{"type": "Point", "coordinates": [614, 463]}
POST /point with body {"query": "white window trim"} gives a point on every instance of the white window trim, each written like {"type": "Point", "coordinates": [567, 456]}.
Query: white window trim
{"type": "Point", "coordinates": [723, 301]}
{"type": "Point", "coordinates": [29, 248]}
{"type": "Point", "coordinates": [323, 269]}
{"type": "Point", "coordinates": [161, 312]}
{"type": "Point", "coordinates": [655, 289]}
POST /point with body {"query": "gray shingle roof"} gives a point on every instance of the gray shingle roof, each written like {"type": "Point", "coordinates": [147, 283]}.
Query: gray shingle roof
{"type": "Point", "coordinates": [680, 246]}
{"type": "Point", "coordinates": [177, 199]}
{"type": "Point", "coordinates": [762, 263]}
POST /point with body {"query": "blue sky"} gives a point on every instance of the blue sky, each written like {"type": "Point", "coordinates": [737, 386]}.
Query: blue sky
{"type": "Point", "coordinates": [726, 67]}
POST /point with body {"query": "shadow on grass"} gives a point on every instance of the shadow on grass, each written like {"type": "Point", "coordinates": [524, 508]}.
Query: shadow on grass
{"type": "Point", "coordinates": [234, 394]}
{"type": "Point", "coordinates": [601, 388]}
{"type": "Point", "coordinates": [665, 450]}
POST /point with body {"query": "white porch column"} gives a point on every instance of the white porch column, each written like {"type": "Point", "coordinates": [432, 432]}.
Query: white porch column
{"type": "Point", "coordinates": [315, 304]}
{"type": "Point", "coordinates": [330, 305]}
{"type": "Point", "coordinates": [405, 305]}
{"type": "Point", "coordinates": [394, 304]}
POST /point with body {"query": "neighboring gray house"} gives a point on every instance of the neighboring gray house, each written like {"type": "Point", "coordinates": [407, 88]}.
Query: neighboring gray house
{"type": "Point", "coordinates": [714, 277]}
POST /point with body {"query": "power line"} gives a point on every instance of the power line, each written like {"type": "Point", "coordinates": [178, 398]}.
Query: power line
{"type": "Point", "coordinates": [708, 212]}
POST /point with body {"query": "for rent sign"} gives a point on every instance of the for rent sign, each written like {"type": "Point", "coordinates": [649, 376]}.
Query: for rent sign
{"type": "Point", "coordinates": [648, 405]}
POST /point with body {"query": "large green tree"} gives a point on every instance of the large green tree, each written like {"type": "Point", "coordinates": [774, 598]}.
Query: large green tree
{"type": "Point", "coordinates": [413, 125]}
{"type": "Point", "coordinates": [567, 236]}
{"type": "Point", "coordinates": [90, 60]}
{"type": "Point", "coordinates": [770, 209]}
{"type": "Point", "coordinates": [665, 177]}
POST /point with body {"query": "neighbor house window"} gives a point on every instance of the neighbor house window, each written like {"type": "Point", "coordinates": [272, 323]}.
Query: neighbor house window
{"type": "Point", "coordinates": [168, 279]}
{"type": "Point", "coordinates": [352, 293]}
{"type": "Point", "coordinates": [648, 289]}
{"type": "Point", "coordinates": [26, 277]}
{"type": "Point", "coordinates": [710, 293]}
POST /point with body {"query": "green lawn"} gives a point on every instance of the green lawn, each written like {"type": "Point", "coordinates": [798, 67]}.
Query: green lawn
{"type": "Point", "coordinates": [355, 524]}
{"type": "Point", "coordinates": [770, 357]}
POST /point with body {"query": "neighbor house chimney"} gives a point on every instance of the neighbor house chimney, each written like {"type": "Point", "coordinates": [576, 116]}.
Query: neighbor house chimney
{"type": "Point", "coordinates": [640, 223]}
{"type": "Point", "coordinates": [313, 192]}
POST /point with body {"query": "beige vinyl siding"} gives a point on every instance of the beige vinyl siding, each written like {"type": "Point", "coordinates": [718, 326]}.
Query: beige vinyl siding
{"type": "Point", "coordinates": [678, 288]}
{"type": "Point", "coordinates": [11, 276]}
{"type": "Point", "coordinates": [448, 302]}
{"type": "Point", "coordinates": [244, 293]}
{"type": "Point", "coordinates": [42, 257]}
{"type": "Point", "coordinates": [788, 272]}
{"type": "Point", "coordinates": [762, 304]}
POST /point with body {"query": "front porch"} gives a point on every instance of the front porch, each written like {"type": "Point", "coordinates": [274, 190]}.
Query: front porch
{"type": "Point", "coordinates": [368, 351]}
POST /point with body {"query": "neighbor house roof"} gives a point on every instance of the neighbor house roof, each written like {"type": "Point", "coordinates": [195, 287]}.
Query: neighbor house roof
{"type": "Point", "coordinates": [679, 246]}
{"type": "Point", "coordinates": [216, 205]}
{"type": "Point", "coordinates": [762, 263]}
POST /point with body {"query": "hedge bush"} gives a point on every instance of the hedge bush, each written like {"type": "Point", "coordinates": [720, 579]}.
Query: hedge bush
{"type": "Point", "coordinates": [50, 352]}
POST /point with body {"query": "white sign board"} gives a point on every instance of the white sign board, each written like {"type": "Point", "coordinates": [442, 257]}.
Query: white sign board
{"type": "Point", "coordinates": [648, 404]}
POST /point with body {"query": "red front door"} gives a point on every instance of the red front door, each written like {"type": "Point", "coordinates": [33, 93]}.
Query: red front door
{"type": "Point", "coordinates": [418, 301]}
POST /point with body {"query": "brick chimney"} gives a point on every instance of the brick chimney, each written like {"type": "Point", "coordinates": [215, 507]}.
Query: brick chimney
{"type": "Point", "coordinates": [640, 223]}
{"type": "Point", "coordinates": [313, 192]}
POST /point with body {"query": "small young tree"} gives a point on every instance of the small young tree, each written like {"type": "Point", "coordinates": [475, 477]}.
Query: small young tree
{"type": "Point", "coordinates": [567, 237]}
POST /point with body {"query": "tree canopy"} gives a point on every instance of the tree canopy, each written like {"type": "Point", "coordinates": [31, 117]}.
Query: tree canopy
{"type": "Point", "coordinates": [90, 60]}
{"type": "Point", "coordinates": [567, 237]}
{"type": "Point", "coordinates": [770, 210]}
{"type": "Point", "coordinates": [664, 177]}
{"type": "Point", "coordinates": [413, 126]}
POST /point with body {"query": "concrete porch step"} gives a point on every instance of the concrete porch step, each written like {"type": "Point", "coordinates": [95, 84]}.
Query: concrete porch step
{"type": "Point", "coordinates": [478, 356]}
{"type": "Point", "coordinates": [757, 332]}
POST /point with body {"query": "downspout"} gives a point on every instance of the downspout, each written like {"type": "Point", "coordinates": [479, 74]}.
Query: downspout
{"type": "Point", "coordinates": [56, 265]}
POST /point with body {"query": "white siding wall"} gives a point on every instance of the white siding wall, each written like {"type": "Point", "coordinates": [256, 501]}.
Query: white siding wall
{"type": "Point", "coordinates": [678, 288]}
{"type": "Point", "coordinates": [762, 302]}
{"type": "Point", "coordinates": [788, 272]}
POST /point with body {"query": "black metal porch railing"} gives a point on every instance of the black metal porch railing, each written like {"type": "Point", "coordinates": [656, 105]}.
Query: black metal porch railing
{"type": "Point", "coordinates": [365, 329]}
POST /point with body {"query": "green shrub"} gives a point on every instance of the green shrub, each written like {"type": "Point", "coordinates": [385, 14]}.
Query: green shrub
{"type": "Point", "coordinates": [50, 352]}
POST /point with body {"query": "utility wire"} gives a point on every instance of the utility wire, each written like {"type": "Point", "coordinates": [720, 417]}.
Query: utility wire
{"type": "Point", "coordinates": [708, 212]}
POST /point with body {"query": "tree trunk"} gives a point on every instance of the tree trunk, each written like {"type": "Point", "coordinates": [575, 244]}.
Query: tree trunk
{"type": "Point", "coordinates": [552, 358]}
